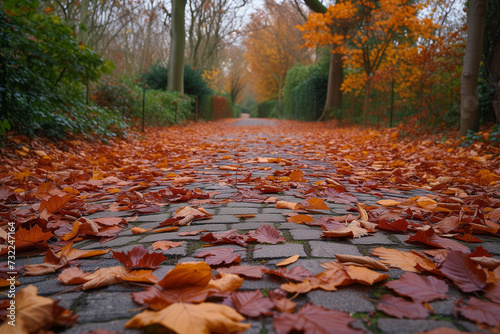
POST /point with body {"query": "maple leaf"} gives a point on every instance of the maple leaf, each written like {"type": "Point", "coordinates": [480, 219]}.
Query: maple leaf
{"type": "Point", "coordinates": [312, 204]}
{"type": "Point", "coordinates": [192, 318]}
{"type": "Point", "coordinates": [247, 271]}
{"type": "Point", "coordinates": [429, 237]}
{"type": "Point", "coordinates": [281, 303]}
{"type": "Point", "coordinates": [401, 308]}
{"type": "Point", "coordinates": [54, 203]}
{"type": "Point", "coordinates": [364, 275]}
{"type": "Point", "coordinates": [407, 261]}
{"type": "Point", "coordinates": [419, 288]}
{"type": "Point", "coordinates": [479, 311]}
{"type": "Point", "coordinates": [492, 292]}
{"type": "Point", "coordinates": [463, 272]}
{"type": "Point", "coordinates": [225, 283]}
{"type": "Point", "coordinates": [187, 274]}
{"type": "Point", "coordinates": [32, 238]}
{"type": "Point", "coordinates": [400, 225]}
{"type": "Point", "coordinates": [361, 260]}
{"type": "Point", "coordinates": [251, 303]}
{"type": "Point", "coordinates": [219, 256]}
{"type": "Point", "coordinates": [35, 313]}
{"type": "Point", "coordinates": [266, 234]}
{"type": "Point", "coordinates": [71, 253]}
{"type": "Point", "coordinates": [51, 264]}
{"type": "Point", "coordinates": [314, 319]}
{"type": "Point", "coordinates": [139, 257]}
{"type": "Point", "coordinates": [339, 197]}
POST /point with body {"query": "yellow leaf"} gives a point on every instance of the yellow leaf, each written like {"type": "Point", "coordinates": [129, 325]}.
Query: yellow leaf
{"type": "Point", "coordinates": [290, 260]}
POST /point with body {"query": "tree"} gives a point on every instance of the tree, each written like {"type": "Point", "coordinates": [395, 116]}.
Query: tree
{"type": "Point", "coordinates": [177, 47]}
{"type": "Point", "coordinates": [469, 103]}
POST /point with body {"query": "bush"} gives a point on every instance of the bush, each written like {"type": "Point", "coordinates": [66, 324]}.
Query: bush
{"type": "Point", "coordinates": [161, 107]}
{"type": "Point", "coordinates": [157, 75]}
{"type": "Point", "coordinates": [266, 109]}
{"type": "Point", "coordinates": [309, 97]}
{"type": "Point", "coordinates": [117, 96]}
{"type": "Point", "coordinates": [43, 73]}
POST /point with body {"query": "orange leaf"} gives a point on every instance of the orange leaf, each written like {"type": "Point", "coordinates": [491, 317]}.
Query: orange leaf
{"type": "Point", "coordinates": [290, 260]}
{"type": "Point", "coordinates": [54, 203]}
{"type": "Point", "coordinates": [72, 253]}
{"type": "Point", "coordinates": [187, 274]}
{"type": "Point", "coordinates": [166, 245]}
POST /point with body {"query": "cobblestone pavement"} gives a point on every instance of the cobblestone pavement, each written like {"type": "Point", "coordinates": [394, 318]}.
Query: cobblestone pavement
{"type": "Point", "coordinates": [111, 307]}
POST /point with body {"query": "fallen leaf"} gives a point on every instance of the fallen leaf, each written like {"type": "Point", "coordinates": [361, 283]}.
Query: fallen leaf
{"type": "Point", "coordinates": [401, 308]}
{"type": "Point", "coordinates": [298, 273]}
{"type": "Point", "coordinates": [71, 253]}
{"type": "Point", "coordinates": [266, 234]}
{"type": "Point", "coordinates": [157, 299]}
{"type": "Point", "coordinates": [365, 261]}
{"type": "Point", "coordinates": [251, 303]}
{"type": "Point", "coordinates": [314, 319]}
{"type": "Point", "coordinates": [353, 230]}
{"type": "Point", "coordinates": [227, 237]}
{"type": "Point", "coordinates": [281, 303]}
{"type": "Point", "coordinates": [290, 260]}
{"type": "Point", "coordinates": [166, 245]}
{"type": "Point", "coordinates": [140, 230]}
{"type": "Point", "coordinates": [192, 318]}
{"type": "Point", "coordinates": [51, 264]}
{"type": "Point", "coordinates": [400, 225]}
{"type": "Point", "coordinates": [219, 256]}
{"type": "Point", "coordinates": [247, 271]}
{"type": "Point", "coordinates": [54, 203]}
{"type": "Point", "coordinates": [419, 288]}
{"type": "Point", "coordinates": [463, 272]}
{"type": "Point", "coordinates": [479, 311]}
{"type": "Point", "coordinates": [285, 205]}
{"type": "Point", "coordinates": [187, 274]}
{"type": "Point", "coordinates": [189, 233]}
{"type": "Point", "coordinates": [364, 275]}
{"type": "Point", "coordinates": [407, 261]}
{"type": "Point", "coordinates": [246, 216]}
{"type": "Point", "coordinates": [429, 237]}
{"type": "Point", "coordinates": [139, 257]}
{"type": "Point", "coordinates": [312, 204]}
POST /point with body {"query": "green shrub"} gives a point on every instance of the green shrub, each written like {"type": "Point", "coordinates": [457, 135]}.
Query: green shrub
{"type": "Point", "coordinates": [117, 96]}
{"type": "Point", "coordinates": [309, 97]}
{"type": "Point", "coordinates": [266, 109]}
{"type": "Point", "coordinates": [157, 75]}
{"type": "Point", "coordinates": [160, 107]}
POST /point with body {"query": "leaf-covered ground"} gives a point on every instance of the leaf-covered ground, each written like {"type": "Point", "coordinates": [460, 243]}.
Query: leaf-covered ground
{"type": "Point", "coordinates": [253, 226]}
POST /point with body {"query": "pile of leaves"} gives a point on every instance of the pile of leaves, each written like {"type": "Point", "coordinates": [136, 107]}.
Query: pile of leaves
{"type": "Point", "coordinates": [47, 191]}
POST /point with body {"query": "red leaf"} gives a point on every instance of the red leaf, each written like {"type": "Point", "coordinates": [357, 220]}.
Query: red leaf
{"type": "Point", "coordinates": [247, 271]}
{"type": "Point", "coordinates": [492, 292]}
{"type": "Point", "coordinates": [32, 238]}
{"type": "Point", "coordinates": [479, 311]}
{"type": "Point", "coordinates": [219, 256]}
{"type": "Point", "coordinates": [266, 234]}
{"type": "Point", "coordinates": [338, 197]}
{"type": "Point", "coordinates": [315, 319]}
{"type": "Point", "coordinates": [430, 238]}
{"type": "Point", "coordinates": [228, 237]}
{"type": "Point", "coordinates": [419, 288]}
{"type": "Point", "coordinates": [251, 303]}
{"type": "Point", "coordinates": [139, 257]}
{"type": "Point", "coordinates": [402, 308]}
{"type": "Point", "coordinates": [463, 272]}
{"type": "Point", "coordinates": [54, 203]}
{"type": "Point", "coordinates": [400, 225]}
{"type": "Point", "coordinates": [157, 299]}
{"type": "Point", "coordinates": [298, 273]}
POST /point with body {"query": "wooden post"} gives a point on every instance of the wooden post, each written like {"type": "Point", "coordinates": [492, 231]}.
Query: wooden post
{"type": "Point", "coordinates": [143, 103]}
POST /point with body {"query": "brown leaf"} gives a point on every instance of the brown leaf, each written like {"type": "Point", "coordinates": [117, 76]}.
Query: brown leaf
{"type": "Point", "coordinates": [227, 237]}
{"type": "Point", "coordinates": [492, 292]}
{"type": "Point", "coordinates": [312, 204]}
{"type": "Point", "coordinates": [251, 303]}
{"type": "Point", "coordinates": [218, 256]}
{"type": "Point", "coordinates": [157, 299]}
{"type": "Point", "coordinates": [71, 253]}
{"type": "Point", "coordinates": [353, 230]}
{"type": "Point", "coordinates": [226, 283]}
{"type": "Point", "coordinates": [407, 261]}
{"type": "Point", "coordinates": [463, 272]}
{"type": "Point", "coordinates": [479, 311]}
{"type": "Point", "coordinates": [364, 275]}
{"type": "Point", "coordinates": [285, 205]}
{"type": "Point", "coordinates": [192, 318]}
{"type": "Point", "coordinates": [247, 271]}
{"type": "Point", "coordinates": [187, 274]}
{"type": "Point", "coordinates": [139, 257]}
{"type": "Point", "coordinates": [400, 225]}
{"type": "Point", "coordinates": [314, 319]}
{"type": "Point", "coordinates": [281, 303]}
{"type": "Point", "coordinates": [429, 237]}
{"type": "Point", "coordinates": [361, 260]}
{"type": "Point", "coordinates": [54, 203]}
{"type": "Point", "coordinates": [290, 260]}
{"type": "Point", "coordinates": [32, 238]}
{"type": "Point", "coordinates": [298, 273]}
{"type": "Point", "coordinates": [51, 264]}
{"type": "Point", "coordinates": [266, 234]}
{"type": "Point", "coordinates": [166, 245]}
{"type": "Point", "coordinates": [419, 288]}
{"type": "Point", "coordinates": [401, 308]}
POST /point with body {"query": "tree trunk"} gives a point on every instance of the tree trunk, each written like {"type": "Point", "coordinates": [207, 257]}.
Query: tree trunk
{"type": "Point", "coordinates": [83, 34]}
{"type": "Point", "coordinates": [469, 103]}
{"type": "Point", "coordinates": [333, 92]}
{"type": "Point", "coordinates": [366, 103]}
{"type": "Point", "coordinates": [177, 47]}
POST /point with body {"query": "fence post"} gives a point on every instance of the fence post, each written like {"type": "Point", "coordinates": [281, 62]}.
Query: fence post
{"type": "Point", "coordinates": [196, 109]}
{"type": "Point", "coordinates": [143, 103]}
{"type": "Point", "coordinates": [176, 106]}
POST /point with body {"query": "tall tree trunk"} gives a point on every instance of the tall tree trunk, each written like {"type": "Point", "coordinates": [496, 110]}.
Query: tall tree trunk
{"type": "Point", "coordinates": [469, 103]}
{"type": "Point", "coordinates": [83, 34]}
{"type": "Point", "coordinates": [366, 103]}
{"type": "Point", "coordinates": [177, 47]}
{"type": "Point", "coordinates": [333, 92]}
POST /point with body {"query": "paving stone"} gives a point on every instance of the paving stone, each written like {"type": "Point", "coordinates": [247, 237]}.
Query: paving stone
{"type": "Point", "coordinates": [218, 219]}
{"type": "Point", "coordinates": [169, 236]}
{"type": "Point", "coordinates": [492, 247]}
{"type": "Point", "coordinates": [91, 263]}
{"type": "Point", "coordinates": [128, 230]}
{"type": "Point", "coordinates": [22, 261]}
{"type": "Point", "coordinates": [274, 210]}
{"type": "Point", "coordinates": [238, 211]}
{"type": "Point", "coordinates": [329, 248]}
{"type": "Point", "coordinates": [402, 238]}
{"type": "Point", "coordinates": [346, 299]}
{"type": "Point", "coordinates": [268, 218]}
{"type": "Point", "coordinates": [277, 251]}
{"type": "Point", "coordinates": [443, 307]}
{"type": "Point", "coordinates": [294, 226]}
{"type": "Point", "coordinates": [208, 227]}
{"type": "Point", "coordinates": [26, 280]}
{"type": "Point", "coordinates": [244, 205]}
{"type": "Point", "coordinates": [470, 327]}
{"type": "Point", "coordinates": [314, 266]}
{"type": "Point", "coordinates": [123, 287]}
{"type": "Point", "coordinates": [299, 234]}
{"type": "Point", "coordinates": [176, 251]}
{"type": "Point", "coordinates": [106, 306]}
{"type": "Point", "coordinates": [120, 241]}
{"type": "Point", "coordinates": [67, 299]}
{"type": "Point", "coordinates": [266, 282]}
{"type": "Point", "coordinates": [112, 326]}
{"type": "Point", "coordinates": [50, 287]}
{"type": "Point", "coordinates": [152, 218]}
{"type": "Point", "coordinates": [377, 239]}
{"type": "Point", "coordinates": [408, 326]}
{"type": "Point", "coordinates": [106, 214]}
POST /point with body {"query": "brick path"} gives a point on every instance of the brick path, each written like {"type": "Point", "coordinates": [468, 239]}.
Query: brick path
{"type": "Point", "coordinates": [110, 307]}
